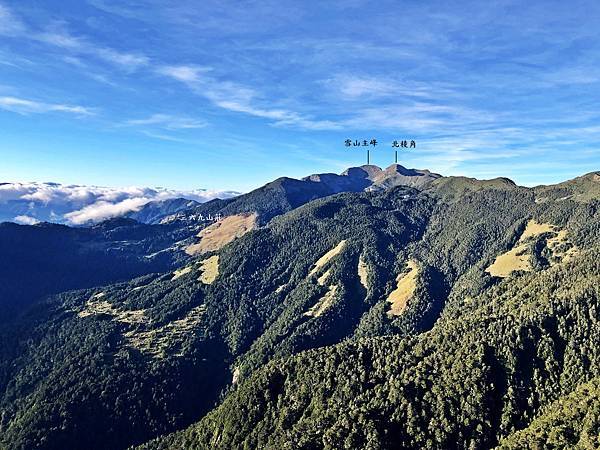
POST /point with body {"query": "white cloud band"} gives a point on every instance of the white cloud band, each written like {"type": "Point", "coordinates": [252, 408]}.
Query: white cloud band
{"type": "Point", "coordinates": [29, 203]}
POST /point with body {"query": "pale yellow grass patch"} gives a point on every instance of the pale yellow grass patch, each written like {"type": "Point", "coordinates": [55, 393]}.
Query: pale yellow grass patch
{"type": "Point", "coordinates": [93, 307]}
{"type": "Point", "coordinates": [323, 278]}
{"type": "Point", "coordinates": [514, 259]}
{"type": "Point", "coordinates": [209, 269]}
{"type": "Point", "coordinates": [96, 307]}
{"type": "Point", "coordinates": [181, 272]}
{"type": "Point", "coordinates": [534, 229]}
{"type": "Point", "coordinates": [236, 375]}
{"type": "Point", "coordinates": [323, 304]}
{"type": "Point", "coordinates": [518, 259]}
{"type": "Point", "coordinates": [327, 257]}
{"type": "Point", "coordinates": [217, 235]}
{"type": "Point", "coordinates": [362, 272]}
{"type": "Point", "coordinates": [405, 289]}
{"type": "Point", "coordinates": [158, 341]}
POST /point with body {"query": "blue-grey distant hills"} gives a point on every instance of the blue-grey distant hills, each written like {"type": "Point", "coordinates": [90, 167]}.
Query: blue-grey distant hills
{"type": "Point", "coordinates": [30, 203]}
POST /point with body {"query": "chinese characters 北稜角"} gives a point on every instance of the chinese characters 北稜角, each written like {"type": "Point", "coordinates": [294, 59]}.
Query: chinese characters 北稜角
{"type": "Point", "coordinates": [404, 144]}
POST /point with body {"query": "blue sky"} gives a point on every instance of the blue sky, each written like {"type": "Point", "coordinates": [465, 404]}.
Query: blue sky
{"type": "Point", "coordinates": [229, 95]}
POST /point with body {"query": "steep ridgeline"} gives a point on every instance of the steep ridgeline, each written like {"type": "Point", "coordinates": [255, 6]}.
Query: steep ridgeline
{"type": "Point", "coordinates": [154, 212]}
{"type": "Point", "coordinates": [46, 259]}
{"type": "Point", "coordinates": [285, 194]}
{"type": "Point", "coordinates": [359, 320]}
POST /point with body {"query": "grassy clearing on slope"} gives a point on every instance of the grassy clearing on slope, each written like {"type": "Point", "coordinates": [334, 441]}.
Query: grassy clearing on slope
{"type": "Point", "coordinates": [181, 272]}
{"type": "Point", "coordinates": [515, 259]}
{"type": "Point", "coordinates": [323, 278]}
{"type": "Point", "coordinates": [327, 257]}
{"type": "Point", "coordinates": [405, 288]}
{"type": "Point", "coordinates": [209, 269]}
{"type": "Point", "coordinates": [518, 258]}
{"type": "Point", "coordinates": [534, 229]}
{"type": "Point", "coordinates": [221, 233]}
{"type": "Point", "coordinates": [362, 272]}
{"type": "Point", "coordinates": [94, 306]}
{"type": "Point", "coordinates": [323, 304]}
{"type": "Point", "coordinates": [158, 341]}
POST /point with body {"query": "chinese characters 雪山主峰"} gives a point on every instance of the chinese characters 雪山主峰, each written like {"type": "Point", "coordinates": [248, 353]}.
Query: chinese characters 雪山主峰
{"type": "Point", "coordinates": [360, 142]}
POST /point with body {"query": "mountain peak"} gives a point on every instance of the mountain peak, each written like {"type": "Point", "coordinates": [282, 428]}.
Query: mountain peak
{"type": "Point", "coordinates": [400, 169]}
{"type": "Point", "coordinates": [592, 176]}
{"type": "Point", "coordinates": [370, 177]}
{"type": "Point", "coordinates": [398, 175]}
{"type": "Point", "coordinates": [368, 171]}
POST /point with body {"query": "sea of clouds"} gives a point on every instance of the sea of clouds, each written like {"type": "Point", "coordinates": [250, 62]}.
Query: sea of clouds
{"type": "Point", "coordinates": [30, 203]}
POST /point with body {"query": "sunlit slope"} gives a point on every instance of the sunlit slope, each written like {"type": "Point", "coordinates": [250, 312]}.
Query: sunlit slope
{"type": "Point", "coordinates": [153, 356]}
{"type": "Point", "coordinates": [482, 343]}
{"type": "Point", "coordinates": [571, 422]}
{"type": "Point", "coordinates": [468, 383]}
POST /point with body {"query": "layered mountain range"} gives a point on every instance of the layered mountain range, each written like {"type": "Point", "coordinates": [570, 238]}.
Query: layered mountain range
{"type": "Point", "coordinates": [49, 258]}
{"type": "Point", "coordinates": [285, 194]}
{"type": "Point", "coordinates": [373, 309]}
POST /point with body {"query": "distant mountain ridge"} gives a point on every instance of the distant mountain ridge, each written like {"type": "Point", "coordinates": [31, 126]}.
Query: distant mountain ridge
{"type": "Point", "coordinates": [284, 194]}
{"type": "Point", "coordinates": [339, 319]}
{"type": "Point", "coordinates": [371, 178]}
{"type": "Point", "coordinates": [50, 258]}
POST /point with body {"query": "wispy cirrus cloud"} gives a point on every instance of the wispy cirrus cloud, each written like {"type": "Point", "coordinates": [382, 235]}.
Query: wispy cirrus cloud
{"type": "Point", "coordinates": [185, 74]}
{"type": "Point", "coordinates": [26, 106]}
{"type": "Point", "coordinates": [56, 35]}
{"type": "Point", "coordinates": [10, 25]}
{"type": "Point", "coordinates": [168, 122]}
{"type": "Point", "coordinates": [350, 87]}
{"type": "Point", "coordinates": [79, 45]}
{"type": "Point", "coordinates": [238, 98]}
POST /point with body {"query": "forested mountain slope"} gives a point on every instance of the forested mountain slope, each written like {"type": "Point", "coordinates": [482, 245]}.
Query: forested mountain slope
{"type": "Point", "coordinates": [468, 382]}
{"type": "Point", "coordinates": [456, 301]}
{"type": "Point", "coordinates": [572, 421]}
{"type": "Point", "coordinates": [45, 259]}
{"type": "Point", "coordinates": [285, 194]}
